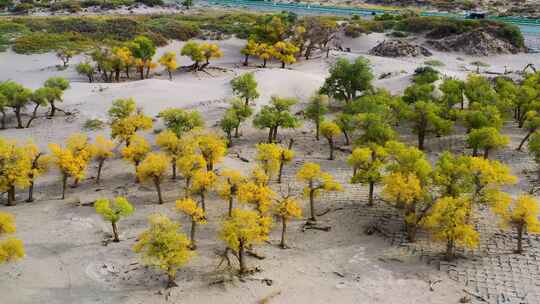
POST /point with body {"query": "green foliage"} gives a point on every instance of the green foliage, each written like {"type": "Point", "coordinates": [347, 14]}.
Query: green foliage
{"type": "Point", "coordinates": [452, 90]}
{"type": "Point", "coordinates": [276, 115]}
{"type": "Point", "coordinates": [487, 139]}
{"type": "Point", "coordinates": [423, 75]}
{"type": "Point", "coordinates": [315, 111]}
{"type": "Point", "coordinates": [427, 118]}
{"type": "Point", "coordinates": [418, 92]}
{"type": "Point", "coordinates": [94, 124]}
{"type": "Point", "coordinates": [45, 42]}
{"type": "Point", "coordinates": [348, 79]}
{"type": "Point", "coordinates": [180, 121]}
{"type": "Point", "coordinates": [245, 87]}
{"type": "Point", "coordinates": [434, 63]}
{"type": "Point", "coordinates": [173, 28]}
{"type": "Point", "coordinates": [479, 116]}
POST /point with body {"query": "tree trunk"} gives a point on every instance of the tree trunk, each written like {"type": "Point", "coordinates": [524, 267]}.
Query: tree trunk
{"type": "Point", "coordinates": [370, 197]}
{"type": "Point", "coordinates": [127, 72]}
{"type": "Point", "coordinates": [231, 198]}
{"type": "Point", "coordinates": [203, 203]}
{"type": "Point", "coordinates": [421, 138]}
{"type": "Point", "coordinates": [170, 74]}
{"type": "Point", "coordinates": [30, 192]}
{"type": "Point", "coordinates": [264, 63]}
{"type": "Point", "coordinates": [270, 133]}
{"type": "Point", "coordinates": [173, 170]}
{"type": "Point", "coordinates": [312, 204]}
{"type": "Point", "coordinates": [450, 250]}
{"type": "Point", "coordinates": [147, 71]}
{"type": "Point", "coordinates": [171, 277]}
{"type": "Point", "coordinates": [317, 129]}
{"type": "Point", "coordinates": [283, 64]}
{"type": "Point", "coordinates": [246, 58]}
{"type": "Point", "coordinates": [100, 167]}
{"type": "Point", "coordinates": [280, 172]}
{"type": "Point", "coordinates": [11, 196]}
{"type": "Point", "coordinates": [283, 231]}
{"type": "Point", "coordinates": [64, 185]}
{"type": "Point", "coordinates": [411, 232]}
{"type": "Point", "coordinates": [523, 141]}
{"type": "Point", "coordinates": [34, 115]}
{"type": "Point", "coordinates": [475, 152]}
{"type": "Point", "coordinates": [346, 135]}
{"type": "Point", "coordinates": [519, 249]}
{"type": "Point", "coordinates": [158, 189]}
{"type": "Point", "coordinates": [186, 187]}
{"type": "Point", "coordinates": [141, 72]}
{"type": "Point", "coordinates": [193, 245]}
{"type": "Point", "coordinates": [17, 112]}
{"type": "Point", "coordinates": [53, 108]}
{"type": "Point", "coordinates": [486, 153]}
{"type": "Point", "coordinates": [90, 78]}
{"type": "Point", "coordinates": [331, 145]}
{"type": "Point", "coordinates": [241, 258]}
{"type": "Point", "coordinates": [3, 120]}
{"type": "Point", "coordinates": [236, 134]}
{"type": "Point", "coordinates": [115, 232]}
{"type": "Point", "coordinates": [274, 135]}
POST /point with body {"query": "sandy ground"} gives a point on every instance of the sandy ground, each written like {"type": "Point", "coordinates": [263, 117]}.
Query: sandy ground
{"type": "Point", "coordinates": [67, 262]}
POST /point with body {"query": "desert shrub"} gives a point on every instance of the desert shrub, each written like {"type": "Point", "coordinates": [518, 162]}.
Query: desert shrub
{"type": "Point", "coordinates": [434, 63]}
{"type": "Point", "coordinates": [77, 25]}
{"type": "Point", "coordinates": [94, 124]}
{"type": "Point", "coordinates": [68, 5]}
{"type": "Point", "coordinates": [22, 8]}
{"type": "Point", "coordinates": [354, 31]}
{"type": "Point", "coordinates": [5, 4]}
{"type": "Point", "coordinates": [424, 75]}
{"type": "Point", "coordinates": [173, 29]}
{"type": "Point", "coordinates": [151, 2]}
{"type": "Point", "coordinates": [398, 34]}
{"type": "Point", "coordinates": [46, 42]}
{"type": "Point", "coordinates": [121, 28]}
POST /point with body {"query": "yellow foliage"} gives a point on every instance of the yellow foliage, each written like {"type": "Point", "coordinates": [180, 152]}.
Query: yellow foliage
{"type": "Point", "coordinates": [269, 157]}
{"type": "Point", "coordinates": [189, 164]}
{"type": "Point", "coordinates": [229, 183]}
{"type": "Point", "coordinates": [137, 149]}
{"type": "Point", "coordinates": [244, 229]}
{"type": "Point", "coordinates": [448, 221]}
{"type": "Point", "coordinates": [171, 144]}
{"type": "Point", "coordinates": [402, 189]}
{"type": "Point", "coordinates": [15, 165]}
{"type": "Point", "coordinates": [162, 246]}
{"type": "Point", "coordinates": [210, 51]}
{"type": "Point", "coordinates": [10, 249]}
{"type": "Point", "coordinates": [190, 208]}
{"type": "Point", "coordinates": [523, 211]}
{"type": "Point", "coordinates": [73, 160]}
{"type": "Point", "coordinates": [153, 167]}
{"type": "Point", "coordinates": [212, 147]}
{"type": "Point", "coordinates": [168, 61]}
{"type": "Point", "coordinates": [259, 177]}
{"type": "Point", "coordinates": [256, 194]}
{"type": "Point", "coordinates": [316, 179]}
{"type": "Point", "coordinates": [289, 208]}
{"type": "Point", "coordinates": [125, 128]}
{"type": "Point", "coordinates": [488, 178]}
{"type": "Point", "coordinates": [329, 129]}
{"type": "Point", "coordinates": [103, 148]}
{"type": "Point", "coordinates": [203, 180]}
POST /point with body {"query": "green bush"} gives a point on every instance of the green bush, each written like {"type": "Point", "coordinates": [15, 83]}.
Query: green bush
{"type": "Point", "coordinates": [46, 42]}
{"type": "Point", "coordinates": [68, 5]}
{"type": "Point", "coordinates": [94, 124]}
{"type": "Point", "coordinates": [173, 29]}
{"type": "Point", "coordinates": [434, 63]}
{"type": "Point", "coordinates": [151, 2]}
{"type": "Point", "coordinates": [425, 75]}
{"type": "Point", "coordinates": [22, 8]}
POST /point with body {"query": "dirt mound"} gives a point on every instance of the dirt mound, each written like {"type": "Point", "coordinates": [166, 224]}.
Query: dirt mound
{"type": "Point", "coordinates": [478, 43]}
{"type": "Point", "coordinates": [399, 48]}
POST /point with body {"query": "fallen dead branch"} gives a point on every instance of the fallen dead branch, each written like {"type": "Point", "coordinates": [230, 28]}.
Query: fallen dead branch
{"type": "Point", "coordinates": [269, 297]}
{"type": "Point", "coordinates": [315, 226]}
{"type": "Point", "coordinates": [478, 297]}
{"type": "Point", "coordinates": [432, 284]}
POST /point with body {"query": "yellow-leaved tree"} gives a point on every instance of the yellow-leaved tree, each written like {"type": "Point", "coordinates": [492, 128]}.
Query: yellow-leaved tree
{"type": "Point", "coordinates": [368, 165]}
{"type": "Point", "coordinates": [259, 196]}
{"type": "Point", "coordinates": [268, 157]}
{"type": "Point", "coordinates": [244, 229]}
{"type": "Point", "coordinates": [39, 166]}
{"type": "Point", "coordinates": [316, 181]}
{"type": "Point", "coordinates": [173, 146]}
{"type": "Point", "coordinates": [521, 214]}
{"type": "Point", "coordinates": [126, 120]}
{"type": "Point", "coordinates": [285, 52]}
{"type": "Point", "coordinates": [196, 214]}
{"type": "Point", "coordinates": [103, 149]}
{"type": "Point", "coordinates": [407, 184]}
{"type": "Point", "coordinates": [154, 168]}
{"type": "Point", "coordinates": [287, 208]}
{"type": "Point", "coordinates": [228, 184]}
{"type": "Point", "coordinates": [202, 182]}
{"type": "Point", "coordinates": [448, 222]}
{"type": "Point", "coordinates": [168, 61]}
{"type": "Point", "coordinates": [11, 249]}
{"type": "Point", "coordinates": [330, 131]}
{"type": "Point", "coordinates": [164, 247]}
{"type": "Point", "coordinates": [113, 211]}
{"type": "Point", "coordinates": [210, 51]}
{"type": "Point", "coordinates": [488, 178]}
{"type": "Point", "coordinates": [286, 155]}
{"type": "Point", "coordinates": [72, 161]}
{"type": "Point", "coordinates": [15, 167]}
{"type": "Point", "coordinates": [188, 165]}
{"type": "Point", "coordinates": [212, 147]}
{"type": "Point", "coordinates": [136, 151]}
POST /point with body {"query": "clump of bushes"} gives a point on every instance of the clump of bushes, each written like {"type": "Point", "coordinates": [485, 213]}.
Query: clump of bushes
{"type": "Point", "coordinates": [425, 75]}
{"type": "Point", "coordinates": [46, 42]}
{"type": "Point", "coordinates": [173, 29]}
